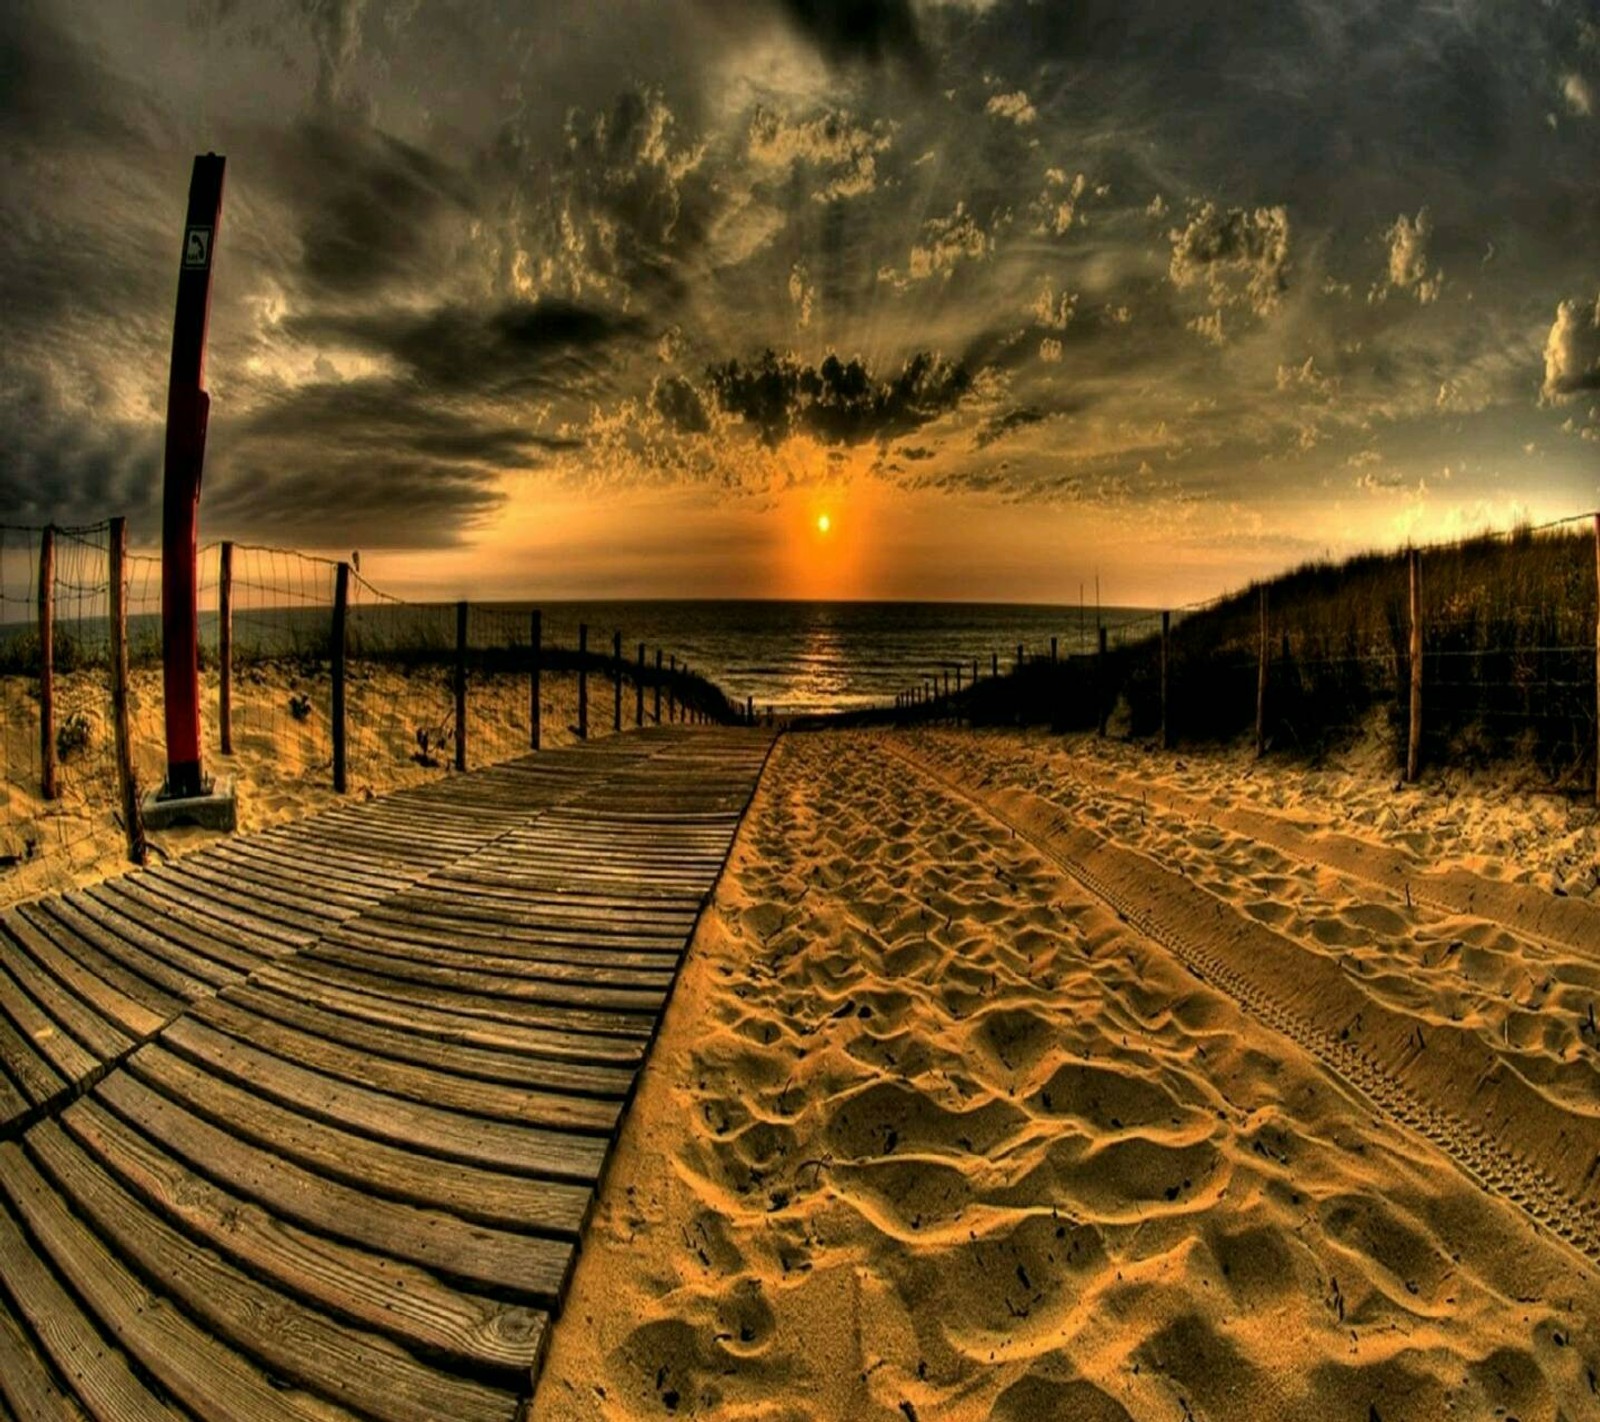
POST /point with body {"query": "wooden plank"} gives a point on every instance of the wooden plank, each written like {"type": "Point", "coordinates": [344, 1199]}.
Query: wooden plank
{"type": "Point", "coordinates": [158, 961]}
{"type": "Point", "coordinates": [288, 883]}
{"type": "Point", "coordinates": [427, 1019]}
{"type": "Point", "coordinates": [450, 1135]}
{"type": "Point", "coordinates": [203, 1374]}
{"type": "Point", "coordinates": [362, 881]}
{"type": "Point", "coordinates": [126, 1013]}
{"type": "Point", "coordinates": [486, 1196]}
{"type": "Point", "coordinates": [28, 1069]}
{"type": "Point", "coordinates": [448, 1247]}
{"type": "Point", "coordinates": [544, 945]}
{"type": "Point", "coordinates": [561, 1024]}
{"type": "Point", "coordinates": [377, 1291]}
{"type": "Point", "coordinates": [213, 963]}
{"type": "Point", "coordinates": [294, 910]}
{"type": "Point", "coordinates": [287, 1339]}
{"type": "Point", "coordinates": [207, 901]}
{"type": "Point", "coordinates": [14, 1103]}
{"type": "Point", "coordinates": [101, 1378]}
{"type": "Point", "coordinates": [28, 1387]}
{"type": "Point", "coordinates": [426, 1086]}
{"type": "Point", "coordinates": [111, 969]}
{"type": "Point", "coordinates": [46, 1036]}
{"type": "Point", "coordinates": [412, 1045]}
{"type": "Point", "coordinates": [98, 1037]}
{"type": "Point", "coordinates": [517, 956]}
{"type": "Point", "coordinates": [606, 1008]}
{"type": "Point", "coordinates": [132, 895]}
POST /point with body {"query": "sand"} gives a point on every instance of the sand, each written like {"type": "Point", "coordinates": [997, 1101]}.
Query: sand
{"type": "Point", "coordinates": [1024, 1078]}
{"type": "Point", "coordinates": [282, 763]}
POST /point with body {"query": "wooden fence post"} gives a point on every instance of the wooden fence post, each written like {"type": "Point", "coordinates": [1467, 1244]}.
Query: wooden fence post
{"type": "Point", "coordinates": [132, 821]}
{"type": "Point", "coordinates": [1261, 682]}
{"type": "Point", "coordinates": [958, 680]}
{"type": "Point", "coordinates": [749, 710]}
{"type": "Point", "coordinates": [1102, 712]}
{"type": "Point", "coordinates": [341, 604]}
{"type": "Point", "coordinates": [947, 683]}
{"type": "Point", "coordinates": [672, 690]}
{"type": "Point", "coordinates": [638, 691]}
{"type": "Point", "coordinates": [1414, 721]}
{"type": "Point", "coordinates": [1166, 657]}
{"type": "Point", "coordinates": [535, 636]}
{"type": "Point", "coordinates": [658, 687]}
{"type": "Point", "coordinates": [225, 646]}
{"type": "Point", "coordinates": [461, 686]}
{"type": "Point", "coordinates": [47, 664]}
{"type": "Point", "coordinates": [583, 681]}
{"type": "Point", "coordinates": [1597, 658]}
{"type": "Point", "coordinates": [616, 682]}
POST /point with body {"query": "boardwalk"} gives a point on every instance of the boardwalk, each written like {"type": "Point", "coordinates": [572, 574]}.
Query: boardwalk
{"type": "Point", "coordinates": [306, 1125]}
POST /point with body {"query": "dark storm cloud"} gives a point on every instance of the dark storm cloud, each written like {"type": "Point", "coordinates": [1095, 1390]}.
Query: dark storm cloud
{"type": "Point", "coordinates": [870, 31]}
{"type": "Point", "coordinates": [680, 405]}
{"type": "Point", "coordinates": [376, 461]}
{"type": "Point", "coordinates": [838, 402]}
{"type": "Point", "coordinates": [502, 350]}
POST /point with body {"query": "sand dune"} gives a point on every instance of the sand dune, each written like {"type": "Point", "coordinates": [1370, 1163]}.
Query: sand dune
{"type": "Point", "coordinates": [934, 1131]}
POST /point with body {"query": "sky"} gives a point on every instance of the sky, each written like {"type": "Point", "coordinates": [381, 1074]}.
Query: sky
{"type": "Point", "coordinates": [599, 299]}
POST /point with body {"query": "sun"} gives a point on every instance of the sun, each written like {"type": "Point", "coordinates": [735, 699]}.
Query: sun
{"type": "Point", "coordinates": [824, 523]}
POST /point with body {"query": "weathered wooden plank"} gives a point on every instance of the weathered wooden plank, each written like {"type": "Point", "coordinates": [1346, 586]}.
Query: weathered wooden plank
{"type": "Point", "coordinates": [98, 1036]}
{"type": "Point", "coordinates": [451, 1135]}
{"type": "Point", "coordinates": [483, 1195]}
{"type": "Point", "coordinates": [28, 1387]}
{"type": "Point", "coordinates": [134, 973]}
{"type": "Point", "coordinates": [426, 1086]}
{"type": "Point", "coordinates": [286, 883]}
{"type": "Point", "coordinates": [46, 1036]}
{"type": "Point", "coordinates": [480, 1254]}
{"type": "Point", "coordinates": [517, 958]}
{"type": "Point", "coordinates": [379, 1292]}
{"type": "Point", "coordinates": [605, 1008]}
{"type": "Point", "coordinates": [170, 943]}
{"type": "Point", "coordinates": [132, 894]}
{"type": "Point", "coordinates": [32, 1073]}
{"type": "Point", "coordinates": [117, 903]}
{"type": "Point", "coordinates": [104, 995]}
{"type": "Point", "coordinates": [14, 1102]}
{"type": "Point", "coordinates": [426, 1018]}
{"type": "Point", "coordinates": [211, 1379]}
{"type": "Point", "coordinates": [298, 911]}
{"type": "Point", "coordinates": [287, 1339]}
{"type": "Point", "coordinates": [412, 1045]}
{"type": "Point", "coordinates": [575, 948]}
{"type": "Point", "coordinates": [584, 1042]}
{"type": "Point", "coordinates": [100, 1376]}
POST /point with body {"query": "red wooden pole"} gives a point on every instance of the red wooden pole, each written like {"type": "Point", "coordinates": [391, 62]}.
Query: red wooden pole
{"type": "Point", "coordinates": [188, 407]}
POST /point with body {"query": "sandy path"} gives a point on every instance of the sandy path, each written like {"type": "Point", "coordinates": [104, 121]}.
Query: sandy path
{"type": "Point", "coordinates": [930, 1132]}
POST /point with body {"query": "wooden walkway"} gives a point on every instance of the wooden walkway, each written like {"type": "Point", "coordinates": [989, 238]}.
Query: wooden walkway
{"type": "Point", "coordinates": [306, 1124]}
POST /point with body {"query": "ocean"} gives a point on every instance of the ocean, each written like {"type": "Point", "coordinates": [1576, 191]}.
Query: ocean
{"type": "Point", "coordinates": [805, 657]}
{"type": "Point", "coordinates": [796, 657]}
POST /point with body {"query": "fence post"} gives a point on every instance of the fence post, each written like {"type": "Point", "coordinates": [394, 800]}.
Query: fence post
{"type": "Point", "coordinates": [1261, 682]}
{"type": "Point", "coordinates": [341, 605]}
{"type": "Point", "coordinates": [225, 646]}
{"type": "Point", "coordinates": [132, 821]}
{"type": "Point", "coordinates": [958, 680]}
{"type": "Point", "coordinates": [657, 716]}
{"type": "Point", "coordinates": [1414, 726]}
{"type": "Point", "coordinates": [461, 686]}
{"type": "Point", "coordinates": [638, 691]}
{"type": "Point", "coordinates": [1597, 658]}
{"type": "Point", "coordinates": [616, 683]}
{"type": "Point", "coordinates": [47, 663]}
{"type": "Point", "coordinates": [672, 691]}
{"type": "Point", "coordinates": [749, 710]}
{"type": "Point", "coordinates": [1102, 712]}
{"type": "Point", "coordinates": [583, 681]}
{"type": "Point", "coordinates": [1166, 653]}
{"type": "Point", "coordinates": [535, 635]}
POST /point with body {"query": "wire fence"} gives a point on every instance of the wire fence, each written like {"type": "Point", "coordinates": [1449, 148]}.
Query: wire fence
{"type": "Point", "coordinates": [428, 689]}
{"type": "Point", "coordinates": [1508, 628]}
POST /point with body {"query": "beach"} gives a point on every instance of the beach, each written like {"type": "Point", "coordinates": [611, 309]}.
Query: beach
{"type": "Point", "coordinates": [1026, 1077]}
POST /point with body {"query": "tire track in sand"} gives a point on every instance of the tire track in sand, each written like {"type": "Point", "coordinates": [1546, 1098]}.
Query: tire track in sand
{"type": "Point", "coordinates": [1527, 1150]}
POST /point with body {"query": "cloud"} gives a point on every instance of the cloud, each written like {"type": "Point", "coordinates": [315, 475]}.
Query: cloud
{"type": "Point", "coordinates": [1057, 206]}
{"type": "Point", "coordinates": [335, 27]}
{"type": "Point", "coordinates": [870, 32]}
{"type": "Point", "coordinates": [836, 402]}
{"type": "Point", "coordinates": [946, 243]}
{"type": "Point", "coordinates": [1241, 256]}
{"type": "Point", "coordinates": [680, 405]}
{"type": "Point", "coordinates": [846, 152]}
{"type": "Point", "coordinates": [1408, 259]}
{"type": "Point", "coordinates": [1571, 352]}
{"type": "Point", "coordinates": [1050, 350]}
{"type": "Point", "coordinates": [1014, 106]}
{"type": "Point", "coordinates": [1575, 89]}
{"type": "Point", "coordinates": [501, 350]}
{"type": "Point", "coordinates": [1052, 311]}
{"type": "Point", "coordinates": [802, 294]}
